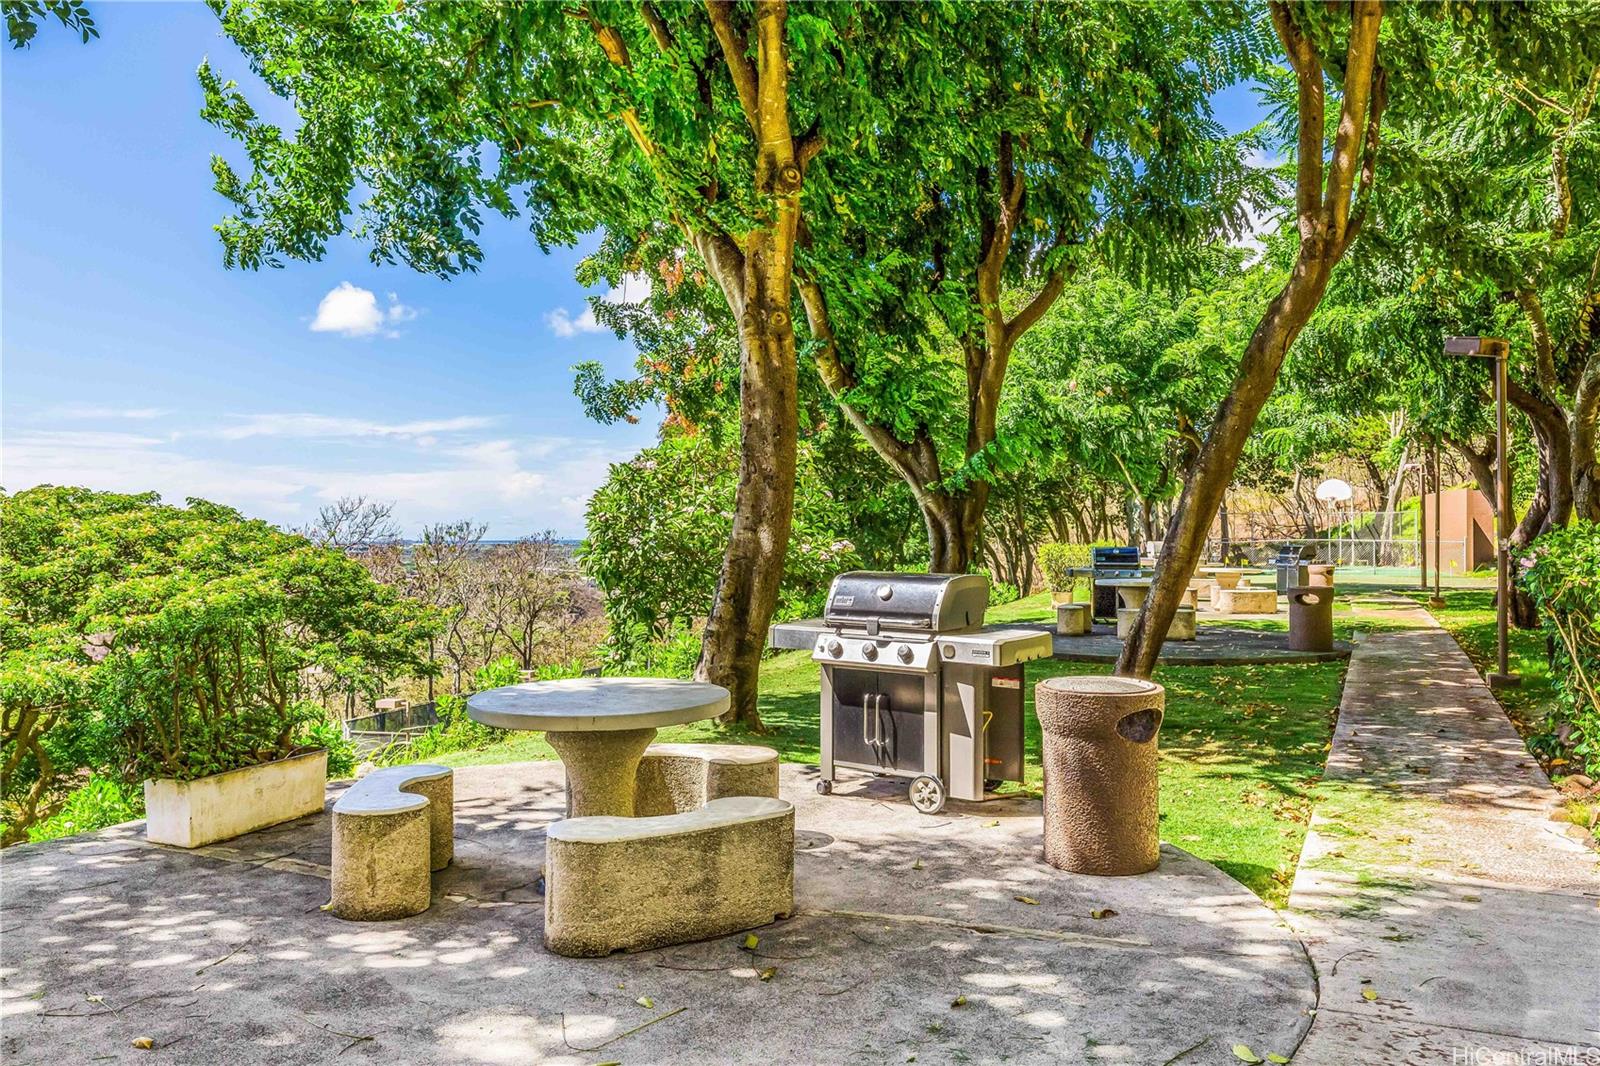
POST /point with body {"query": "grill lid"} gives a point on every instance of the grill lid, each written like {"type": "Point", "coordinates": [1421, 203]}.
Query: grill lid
{"type": "Point", "coordinates": [1294, 554]}
{"type": "Point", "coordinates": [935, 603]}
{"type": "Point", "coordinates": [1121, 558]}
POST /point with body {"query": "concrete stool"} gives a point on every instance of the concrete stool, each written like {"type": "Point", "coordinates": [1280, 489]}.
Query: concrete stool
{"type": "Point", "coordinates": [390, 830]}
{"type": "Point", "coordinates": [626, 884]}
{"type": "Point", "coordinates": [1320, 575]}
{"type": "Point", "coordinates": [1181, 628]}
{"type": "Point", "coordinates": [674, 778]}
{"type": "Point", "coordinates": [1247, 601]}
{"type": "Point", "coordinates": [1311, 618]}
{"type": "Point", "coordinates": [1191, 595]}
{"type": "Point", "coordinates": [1074, 619]}
{"type": "Point", "coordinates": [1100, 784]}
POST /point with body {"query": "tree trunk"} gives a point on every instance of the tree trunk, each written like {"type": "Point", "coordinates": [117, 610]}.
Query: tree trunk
{"type": "Point", "coordinates": [1219, 455]}
{"type": "Point", "coordinates": [752, 570]}
{"type": "Point", "coordinates": [955, 527]}
{"type": "Point", "coordinates": [1330, 206]}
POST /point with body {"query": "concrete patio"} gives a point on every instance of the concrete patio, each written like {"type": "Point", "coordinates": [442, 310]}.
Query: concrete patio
{"type": "Point", "coordinates": [929, 939]}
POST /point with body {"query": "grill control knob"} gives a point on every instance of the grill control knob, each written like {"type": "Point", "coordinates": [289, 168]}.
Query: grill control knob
{"type": "Point", "coordinates": [869, 652]}
{"type": "Point", "coordinates": [903, 653]}
{"type": "Point", "coordinates": [835, 649]}
{"type": "Point", "coordinates": [949, 651]}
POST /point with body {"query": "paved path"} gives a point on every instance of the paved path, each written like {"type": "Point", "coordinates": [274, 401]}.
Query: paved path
{"type": "Point", "coordinates": [1434, 881]}
{"type": "Point", "coordinates": [1216, 643]}
{"type": "Point", "coordinates": [929, 939]}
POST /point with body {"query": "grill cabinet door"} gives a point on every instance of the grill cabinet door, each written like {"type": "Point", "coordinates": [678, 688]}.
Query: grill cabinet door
{"type": "Point", "coordinates": [878, 719]}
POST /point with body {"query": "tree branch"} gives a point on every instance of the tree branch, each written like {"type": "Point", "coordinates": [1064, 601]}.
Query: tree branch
{"type": "Point", "coordinates": [736, 52]}
{"type": "Point", "coordinates": [1543, 345]}
{"type": "Point", "coordinates": [840, 379]}
{"type": "Point", "coordinates": [1360, 83]}
{"type": "Point", "coordinates": [1311, 116]}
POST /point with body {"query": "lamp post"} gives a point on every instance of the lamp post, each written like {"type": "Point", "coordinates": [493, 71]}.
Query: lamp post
{"type": "Point", "coordinates": [1436, 601]}
{"type": "Point", "coordinates": [1497, 349]}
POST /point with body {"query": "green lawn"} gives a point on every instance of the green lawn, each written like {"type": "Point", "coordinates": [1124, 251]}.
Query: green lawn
{"type": "Point", "coordinates": [1242, 750]}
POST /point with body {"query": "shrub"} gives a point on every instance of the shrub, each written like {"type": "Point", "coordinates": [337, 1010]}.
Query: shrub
{"type": "Point", "coordinates": [143, 640]}
{"type": "Point", "coordinates": [659, 527]}
{"type": "Point", "coordinates": [1562, 574]}
{"type": "Point", "coordinates": [99, 802]}
{"type": "Point", "coordinates": [341, 749]}
{"type": "Point", "coordinates": [1055, 560]}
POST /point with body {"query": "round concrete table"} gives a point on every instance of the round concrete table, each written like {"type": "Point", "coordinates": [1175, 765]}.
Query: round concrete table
{"type": "Point", "coordinates": [1131, 591]}
{"type": "Point", "coordinates": [1227, 577]}
{"type": "Point", "coordinates": [600, 727]}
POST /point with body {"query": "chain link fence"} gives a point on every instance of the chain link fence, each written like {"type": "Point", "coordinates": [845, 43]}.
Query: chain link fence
{"type": "Point", "coordinates": [1355, 552]}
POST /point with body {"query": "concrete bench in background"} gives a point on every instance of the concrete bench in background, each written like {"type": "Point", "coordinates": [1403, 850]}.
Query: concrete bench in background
{"type": "Point", "coordinates": [674, 778]}
{"type": "Point", "coordinates": [1247, 601]}
{"type": "Point", "coordinates": [391, 830]}
{"type": "Point", "coordinates": [626, 884]}
{"type": "Point", "coordinates": [1182, 627]}
{"type": "Point", "coordinates": [1074, 619]}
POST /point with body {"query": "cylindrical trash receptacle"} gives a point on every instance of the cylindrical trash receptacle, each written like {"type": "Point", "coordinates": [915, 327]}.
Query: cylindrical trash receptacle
{"type": "Point", "coordinates": [1100, 785]}
{"type": "Point", "coordinates": [1311, 618]}
{"type": "Point", "coordinates": [1320, 575]}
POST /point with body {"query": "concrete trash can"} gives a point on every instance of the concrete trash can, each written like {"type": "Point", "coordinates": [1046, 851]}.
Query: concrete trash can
{"type": "Point", "coordinates": [1311, 618]}
{"type": "Point", "coordinates": [1100, 785]}
{"type": "Point", "coordinates": [1320, 575]}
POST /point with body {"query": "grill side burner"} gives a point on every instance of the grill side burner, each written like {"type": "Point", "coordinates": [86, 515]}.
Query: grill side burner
{"type": "Point", "coordinates": [914, 686]}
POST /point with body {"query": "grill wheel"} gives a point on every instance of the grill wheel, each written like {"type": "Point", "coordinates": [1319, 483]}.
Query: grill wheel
{"type": "Point", "coordinates": [927, 794]}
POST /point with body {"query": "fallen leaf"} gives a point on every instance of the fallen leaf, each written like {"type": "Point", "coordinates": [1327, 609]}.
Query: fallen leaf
{"type": "Point", "coordinates": [959, 1001]}
{"type": "Point", "coordinates": [1029, 900]}
{"type": "Point", "coordinates": [1243, 1053]}
{"type": "Point", "coordinates": [1273, 1056]}
{"type": "Point", "coordinates": [750, 941]}
{"type": "Point", "coordinates": [95, 999]}
{"type": "Point", "coordinates": [1103, 912]}
{"type": "Point", "coordinates": [766, 975]}
{"type": "Point", "coordinates": [917, 865]}
{"type": "Point", "coordinates": [991, 825]}
{"type": "Point", "coordinates": [1369, 994]}
{"type": "Point", "coordinates": [646, 1002]}
{"type": "Point", "coordinates": [144, 1043]}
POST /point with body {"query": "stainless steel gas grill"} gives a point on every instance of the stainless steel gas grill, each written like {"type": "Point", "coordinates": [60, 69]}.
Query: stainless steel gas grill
{"type": "Point", "coordinates": [914, 685]}
{"type": "Point", "coordinates": [1292, 563]}
{"type": "Point", "coordinates": [1112, 564]}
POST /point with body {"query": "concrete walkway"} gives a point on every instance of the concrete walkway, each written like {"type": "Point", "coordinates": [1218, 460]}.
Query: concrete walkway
{"type": "Point", "coordinates": [1448, 918]}
{"type": "Point", "coordinates": [918, 939]}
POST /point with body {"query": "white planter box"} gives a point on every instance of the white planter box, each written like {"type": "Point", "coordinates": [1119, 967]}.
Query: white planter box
{"type": "Point", "coordinates": [1058, 598]}
{"type": "Point", "coordinates": [190, 814]}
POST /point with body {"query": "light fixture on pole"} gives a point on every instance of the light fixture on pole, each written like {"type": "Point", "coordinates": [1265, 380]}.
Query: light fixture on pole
{"type": "Point", "coordinates": [1497, 349]}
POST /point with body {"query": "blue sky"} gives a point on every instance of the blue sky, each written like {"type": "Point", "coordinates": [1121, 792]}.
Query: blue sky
{"type": "Point", "coordinates": [132, 360]}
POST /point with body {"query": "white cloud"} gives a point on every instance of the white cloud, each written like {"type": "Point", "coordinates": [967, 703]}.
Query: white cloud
{"type": "Point", "coordinates": [86, 412]}
{"type": "Point", "coordinates": [517, 485]}
{"type": "Point", "coordinates": [352, 311]}
{"type": "Point", "coordinates": [562, 324]}
{"type": "Point", "coordinates": [635, 289]}
{"type": "Point", "coordinates": [329, 427]}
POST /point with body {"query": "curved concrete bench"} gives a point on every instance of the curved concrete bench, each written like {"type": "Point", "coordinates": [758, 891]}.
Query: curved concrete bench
{"type": "Point", "coordinates": [1181, 628]}
{"type": "Point", "coordinates": [674, 778]}
{"type": "Point", "coordinates": [626, 884]}
{"type": "Point", "coordinates": [391, 829]}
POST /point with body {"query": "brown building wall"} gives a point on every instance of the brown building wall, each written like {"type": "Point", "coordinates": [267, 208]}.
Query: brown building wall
{"type": "Point", "coordinates": [1464, 515]}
